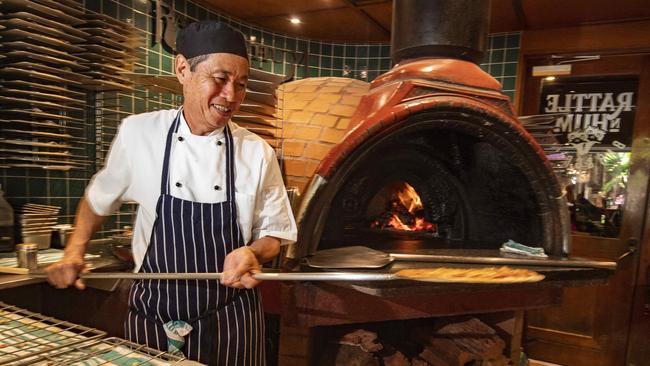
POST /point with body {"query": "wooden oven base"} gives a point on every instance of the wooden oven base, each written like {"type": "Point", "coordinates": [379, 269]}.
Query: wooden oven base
{"type": "Point", "coordinates": [310, 305]}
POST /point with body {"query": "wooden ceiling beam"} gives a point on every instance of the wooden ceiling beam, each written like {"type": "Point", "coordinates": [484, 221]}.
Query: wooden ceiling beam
{"type": "Point", "coordinates": [518, 7]}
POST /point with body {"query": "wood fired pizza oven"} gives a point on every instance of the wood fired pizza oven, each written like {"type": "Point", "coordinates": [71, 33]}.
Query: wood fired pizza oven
{"type": "Point", "coordinates": [433, 157]}
{"type": "Point", "coordinates": [438, 125]}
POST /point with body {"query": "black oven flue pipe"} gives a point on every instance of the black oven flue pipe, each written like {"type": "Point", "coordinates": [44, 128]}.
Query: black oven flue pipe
{"type": "Point", "coordinates": [440, 28]}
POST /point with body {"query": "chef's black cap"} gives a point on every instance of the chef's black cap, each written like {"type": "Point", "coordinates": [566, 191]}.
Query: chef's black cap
{"type": "Point", "coordinates": [209, 36]}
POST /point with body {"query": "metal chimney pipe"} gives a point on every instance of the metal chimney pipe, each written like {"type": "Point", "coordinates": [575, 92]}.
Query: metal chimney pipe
{"type": "Point", "coordinates": [440, 28]}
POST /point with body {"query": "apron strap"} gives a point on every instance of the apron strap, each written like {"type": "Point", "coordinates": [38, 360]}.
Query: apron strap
{"type": "Point", "coordinates": [230, 165]}
{"type": "Point", "coordinates": [230, 185]}
{"type": "Point", "coordinates": [164, 179]}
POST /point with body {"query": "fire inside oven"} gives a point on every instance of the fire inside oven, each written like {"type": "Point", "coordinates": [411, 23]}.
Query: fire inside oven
{"type": "Point", "coordinates": [398, 206]}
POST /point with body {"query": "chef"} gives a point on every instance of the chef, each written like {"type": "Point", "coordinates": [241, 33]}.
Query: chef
{"type": "Point", "coordinates": [211, 199]}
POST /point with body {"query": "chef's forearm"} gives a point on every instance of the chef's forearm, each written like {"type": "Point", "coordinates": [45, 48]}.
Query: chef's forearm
{"type": "Point", "coordinates": [265, 248]}
{"type": "Point", "coordinates": [87, 222]}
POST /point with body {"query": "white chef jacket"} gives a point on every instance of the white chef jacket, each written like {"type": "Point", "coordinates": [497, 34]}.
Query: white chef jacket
{"type": "Point", "coordinates": [133, 170]}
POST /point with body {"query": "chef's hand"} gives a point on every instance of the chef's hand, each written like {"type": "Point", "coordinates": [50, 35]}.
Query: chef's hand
{"type": "Point", "coordinates": [65, 272]}
{"type": "Point", "coordinates": [238, 267]}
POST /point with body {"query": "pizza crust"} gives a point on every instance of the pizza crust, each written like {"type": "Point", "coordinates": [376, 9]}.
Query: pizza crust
{"type": "Point", "coordinates": [471, 275]}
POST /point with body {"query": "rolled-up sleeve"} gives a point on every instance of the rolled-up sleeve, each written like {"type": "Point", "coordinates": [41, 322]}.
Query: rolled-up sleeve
{"type": "Point", "coordinates": [273, 216]}
{"type": "Point", "coordinates": [107, 187]}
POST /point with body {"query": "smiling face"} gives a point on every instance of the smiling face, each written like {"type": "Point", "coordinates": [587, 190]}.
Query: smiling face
{"type": "Point", "coordinates": [213, 91]}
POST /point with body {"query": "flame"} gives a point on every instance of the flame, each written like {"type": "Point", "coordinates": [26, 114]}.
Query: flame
{"type": "Point", "coordinates": [420, 224]}
{"type": "Point", "coordinates": [404, 197]}
{"type": "Point", "coordinates": [396, 223]}
{"type": "Point", "coordinates": [409, 198]}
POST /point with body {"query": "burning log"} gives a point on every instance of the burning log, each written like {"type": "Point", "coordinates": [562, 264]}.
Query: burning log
{"type": "Point", "coordinates": [404, 211]}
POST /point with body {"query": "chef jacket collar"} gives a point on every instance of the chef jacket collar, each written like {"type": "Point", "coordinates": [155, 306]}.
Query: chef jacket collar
{"type": "Point", "coordinates": [184, 129]}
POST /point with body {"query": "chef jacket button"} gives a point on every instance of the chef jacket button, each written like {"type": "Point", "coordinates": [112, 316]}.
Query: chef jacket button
{"type": "Point", "coordinates": [217, 188]}
{"type": "Point", "coordinates": [179, 184]}
{"type": "Point", "coordinates": [180, 138]}
{"type": "Point", "coordinates": [219, 142]}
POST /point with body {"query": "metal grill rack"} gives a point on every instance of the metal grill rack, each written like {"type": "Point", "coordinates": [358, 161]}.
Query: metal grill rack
{"type": "Point", "coordinates": [28, 338]}
{"type": "Point", "coordinates": [25, 334]}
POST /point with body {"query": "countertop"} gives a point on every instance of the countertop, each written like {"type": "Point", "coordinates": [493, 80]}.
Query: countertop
{"type": "Point", "coordinates": [106, 261]}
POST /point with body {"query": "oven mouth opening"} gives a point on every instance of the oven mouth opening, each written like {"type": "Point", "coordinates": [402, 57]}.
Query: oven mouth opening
{"type": "Point", "coordinates": [478, 178]}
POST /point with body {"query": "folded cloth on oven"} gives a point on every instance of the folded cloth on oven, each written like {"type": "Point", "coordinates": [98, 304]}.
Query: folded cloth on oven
{"type": "Point", "coordinates": [176, 331]}
{"type": "Point", "coordinates": [513, 247]}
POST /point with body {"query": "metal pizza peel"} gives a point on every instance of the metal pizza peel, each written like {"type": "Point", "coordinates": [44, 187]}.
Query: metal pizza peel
{"type": "Point", "coordinates": [363, 257]}
{"type": "Point", "coordinates": [421, 276]}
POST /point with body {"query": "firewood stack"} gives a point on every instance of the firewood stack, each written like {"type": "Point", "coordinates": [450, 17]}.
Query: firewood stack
{"type": "Point", "coordinates": [469, 342]}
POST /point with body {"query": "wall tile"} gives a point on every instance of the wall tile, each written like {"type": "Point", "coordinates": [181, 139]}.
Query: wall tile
{"type": "Point", "coordinates": [338, 50]}
{"type": "Point", "coordinates": [314, 61]}
{"type": "Point", "coordinates": [314, 47]}
{"type": "Point", "coordinates": [139, 5]}
{"type": "Point", "coordinates": [179, 5]}
{"type": "Point", "coordinates": [496, 56]}
{"type": "Point", "coordinates": [337, 63]}
{"type": "Point", "coordinates": [349, 51]}
{"type": "Point", "coordinates": [94, 6]}
{"type": "Point", "coordinates": [326, 62]}
{"type": "Point", "coordinates": [278, 68]}
{"type": "Point", "coordinates": [141, 21]}
{"type": "Point", "coordinates": [303, 46]}
{"type": "Point", "coordinates": [15, 186]}
{"type": "Point", "coordinates": [513, 40]}
{"type": "Point", "coordinates": [279, 41]}
{"type": "Point", "coordinates": [385, 51]}
{"type": "Point", "coordinates": [36, 187]}
{"type": "Point", "coordinates": [290, 43]}
{"type": "Point", "coordinates": [109, 7]}
{"type": "Point", "coordinates": [326, 49]}
{"type": "Point", "coordinates": [497, 41]}
{"type": "Point", "coordinates": [58, 188]}
{"type": "Point", "coordinates": [125, 14]}
{"type": "Point", "coordinates": [512, 55]}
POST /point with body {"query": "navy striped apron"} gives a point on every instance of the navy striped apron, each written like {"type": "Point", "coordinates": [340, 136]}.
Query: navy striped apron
{"type": "Point", "coordinates": [228, 323]}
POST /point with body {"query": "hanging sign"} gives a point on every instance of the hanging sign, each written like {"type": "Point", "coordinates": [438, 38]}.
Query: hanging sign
{"type": "Point", "coordinates": [598, 113]}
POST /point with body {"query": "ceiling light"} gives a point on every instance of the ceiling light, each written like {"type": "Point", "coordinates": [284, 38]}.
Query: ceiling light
{"type": "Point", "coordinates": [549, 78]}
{"type": "Point", "coordinates": [295, 20]}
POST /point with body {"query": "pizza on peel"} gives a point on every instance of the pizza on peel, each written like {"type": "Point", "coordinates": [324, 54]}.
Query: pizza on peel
{"type": "Point", "coordinates": [502, 274]}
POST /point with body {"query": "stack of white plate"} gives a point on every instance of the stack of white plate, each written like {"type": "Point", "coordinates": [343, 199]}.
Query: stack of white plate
{"type": "Point", "coordinates": [36, 222]}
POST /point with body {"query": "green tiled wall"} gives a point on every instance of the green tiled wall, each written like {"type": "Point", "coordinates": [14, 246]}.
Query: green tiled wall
{"type": "Point", "coordinates": [502, 59]}
{"type": "Point", "coordinates": [321, 59]}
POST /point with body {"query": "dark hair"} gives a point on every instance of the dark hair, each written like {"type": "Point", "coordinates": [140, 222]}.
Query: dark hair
{"type": "Point", "coordinates": [195, 61]}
